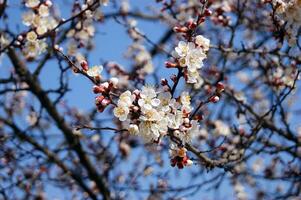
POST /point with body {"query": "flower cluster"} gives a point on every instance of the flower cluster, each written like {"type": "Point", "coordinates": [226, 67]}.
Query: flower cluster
{"type": "Point", "coordinates": [190, 56]}
{"type": "Point", "coordinates": [137, 51]}
{"type": "Point", "coordinates": [179, 157]}
{"type": "Point", "coordinates": [82, 33]}
{"type": "Point", "coordinates": [290, 13]}
{"type": "Point", "coordinates": [153, 114]}
{"type": "Point", "coordinates": [40, 21]}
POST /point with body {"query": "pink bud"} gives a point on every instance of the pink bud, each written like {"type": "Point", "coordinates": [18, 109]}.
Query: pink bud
{"type": "Point", "coordinates": [220, 87]}
{"type": "Point", "coordinates": [48, 3]}
{"type": "Point", "coordinates": [99, 99]}
{"type": "Point", "coordinates": [98, 89]}
{"type": "Point", "coordinates": [164, 82]}
{"type": "Point", "coordinates": [180, 29]}
{"type": "Point", "coordinates": [169, 64]}
{"type": "Point", "coordinates": [84, 65]}
{"type": "Point", "coordinates": [191, 24]}
{"type": "Point", "coordinates": [174, 78]}
{"type": "Point", "coordinates": [214, 99]}
{"type": "Point", "coordinates": [105, 85]}
{"type": "Point", "coordinates": [207, 12]}
{"type": "Point", "coordinates": [201, 20]}
{"type": "Point", "coordinates": [105, 102]}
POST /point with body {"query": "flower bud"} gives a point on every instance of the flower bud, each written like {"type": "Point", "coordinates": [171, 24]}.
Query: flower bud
{"type": "Point", "coordinates": [105, 85]}
{"type": "Point", "coordinates": [20, 37]}
{"type": "Point", "coordinates": [191, 25]}
{"type": "Point", "coordinates": [133, 129]}
{"type": "Point", "coordinates": [180, 29]}
{"type": "Point", "coordinates": [48, 3]}
{"type": "Point", "coordinates": [84, 65]}
{"type": "Point", "coordinates": [200, 20]}
{"type": "Point", "coordinates": [207, 12]}
{"type": "Point", "coordinates": [173, 78]}
{"type": "Point", "coordinates": [164, 82]}
{"type": "Point", "coordinates": [105, 102]}
{"type": "Point", "coordinates": [169, 64]}
{"type": "Point", "coordinates": [220, 87]}
{"type": "Point", "coordinates": [189, 162]}
{"type": "Point", "coordinates": [98, 89]}
{"type": "Point", "coordinates": [99, 99]}
{"type": "Point", "coordinates": [214, 99]}
{"type": "Point", "coordinates": [114, 81]}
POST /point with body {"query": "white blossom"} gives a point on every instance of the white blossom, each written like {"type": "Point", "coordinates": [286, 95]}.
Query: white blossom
{"type": "Point", "coordinates": [95, 71]}
{"type": "Point", "coordinates": [32, 3]}
{"type": "Point", "coordinates": [203, 42]}
{"type": "Point", "coordinates": [121, 112]}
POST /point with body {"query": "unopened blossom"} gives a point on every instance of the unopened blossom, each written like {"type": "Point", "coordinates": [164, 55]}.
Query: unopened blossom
{"type": "Point", "coordinates": [133, 129]}
{"type": "Point", "coordinates": [104, 2]}
{"type": "Point", "coordinates": [179, 157]}
{"type": "Point", "coordinates": [95, 71]}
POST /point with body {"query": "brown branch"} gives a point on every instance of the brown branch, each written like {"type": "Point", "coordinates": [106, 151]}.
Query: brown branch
{"type": "Point", "coordinates": [73, 141]}
{"type": "Point", "coordinates": [51, 156]}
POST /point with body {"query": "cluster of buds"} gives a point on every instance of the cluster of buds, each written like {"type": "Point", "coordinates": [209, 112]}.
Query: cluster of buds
{"type": "Point", "coordinates": [104, 89]}
{"type": "Point", "coordinates": [179, 158]}
{"type": "Point", "coordinates": [219, 17]}
{"type": "Point", "coordinates": [190, 26]}
{"type": "Point", "coordinates": [188, 56]}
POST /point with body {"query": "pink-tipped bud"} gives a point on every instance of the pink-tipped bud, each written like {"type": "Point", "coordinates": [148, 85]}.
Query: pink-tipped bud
{"type": "Point", "coordinates": [48, 3]}
{"type": "Point", "coordinates": [220, 87]}
{"type": "Point", "coordinates": [114, 81]}
{"type": "Point", "coordinates": [201, 20]}
{"type": "Point", "coordinates": [164, 82]}
{"type": "Point", "coordinates": [105, 102]}
{"type": "Point", "coordinates": [207, 12]}
{"type": "Point", "coordinates": [174, 78]}
{"type": "Point", "coordinates": [191, 25]}
{"type": "Point", "coordinates": [98, 89]}
{"type": "Point", "coordinates": [136, 92]}
{"type": "Point", "coordinates": [180, 29]}
{"type": "Point", "coordinates": [99, 99]}
{"type": "Point", "coordinates": [169, 64]}
{"type": "Point", "coordinates": [214, 99]}
{"type": "Point", "coordinates": [105, 85]}
{"type": "Point", "coordinates": [20, 37]}
{"type": "Point", "coordinates": [135, 108]}
{"type": "Point", "coordinates": [84, 65]}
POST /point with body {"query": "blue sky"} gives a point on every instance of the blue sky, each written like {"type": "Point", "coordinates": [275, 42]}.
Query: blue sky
{"type": "Point", "coordinates": [110, 44]}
